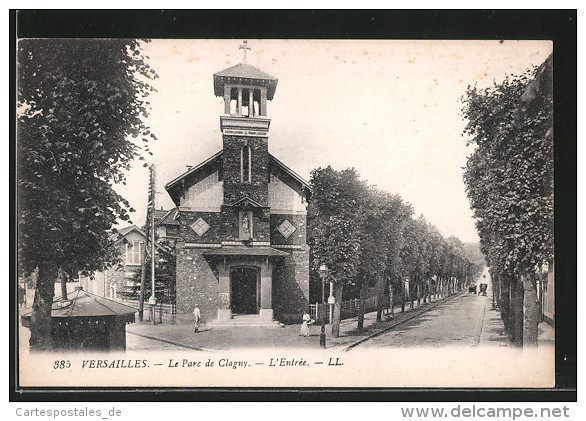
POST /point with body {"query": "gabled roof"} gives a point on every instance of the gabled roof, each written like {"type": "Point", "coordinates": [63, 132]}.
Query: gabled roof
{"type": "Point", "coordinates": [159, 214]}
{"type": "Point", "coordinates": [290, 172]}
{"type": "Point", "coordinates": [247, 75]}
{"type": "Point", "coordinates": [170, 218]}
{"type": "Point", "coordinates": [193, 170]}
{"type": "Point", "coordinates": [126, 230]}
{"type": "Point", "coordinates": [218, 155]}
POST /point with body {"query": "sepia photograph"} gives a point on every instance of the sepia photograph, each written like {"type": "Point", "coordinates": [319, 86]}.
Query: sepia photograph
{"type": "Point", "coordinates": [311, 213]}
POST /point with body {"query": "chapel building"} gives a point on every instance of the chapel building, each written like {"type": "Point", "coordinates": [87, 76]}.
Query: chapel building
{"type": "Point", "coordinates": [242, 252]}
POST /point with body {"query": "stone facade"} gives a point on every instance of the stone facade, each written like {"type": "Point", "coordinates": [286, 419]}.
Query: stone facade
{"type": "Point", "coordinates": [242, 247]}
{"type": "Point", "coordinates": [291, 287]}
{"type": "Point", "coordinates": [256, 189]}
{"type": "Point", "coordinates": [197, 282]}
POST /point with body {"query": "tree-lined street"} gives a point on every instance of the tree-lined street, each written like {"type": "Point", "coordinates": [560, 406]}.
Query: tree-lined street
{"type": "Point", "coordinates": [458, 322]}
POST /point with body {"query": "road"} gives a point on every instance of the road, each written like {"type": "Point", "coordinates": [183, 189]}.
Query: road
{"type": "Point", "coordinates": [140, 343]}
{"type": "Point", "coordinates": [457, 322]}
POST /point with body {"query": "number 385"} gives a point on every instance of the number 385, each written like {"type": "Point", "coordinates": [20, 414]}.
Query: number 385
{"type": "Point", "coordinates": [61, 364]}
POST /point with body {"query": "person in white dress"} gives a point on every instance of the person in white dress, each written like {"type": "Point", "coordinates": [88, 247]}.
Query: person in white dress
{"type": "Point", "coordinates": [197, 316]}
{"type": "Point", "coordinates": [305, 324]}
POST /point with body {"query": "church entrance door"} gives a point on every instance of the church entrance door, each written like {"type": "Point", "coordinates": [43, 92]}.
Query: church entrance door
{"type": "Point", "coordinates": [244, 290]}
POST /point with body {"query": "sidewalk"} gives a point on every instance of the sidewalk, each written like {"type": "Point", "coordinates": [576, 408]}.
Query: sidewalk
{"type": "Point", "coordinates": [493, 330]}
{"type": "Point", "coordinates": [212, 338]}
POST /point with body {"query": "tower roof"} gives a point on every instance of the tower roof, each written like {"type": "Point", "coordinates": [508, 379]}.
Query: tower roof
{"type": "Point", "coordinates": [247, 75]}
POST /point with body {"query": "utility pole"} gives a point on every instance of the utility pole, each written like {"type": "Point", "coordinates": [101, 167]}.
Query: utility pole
{"type": "Point", "coordinates": [149, 217]}
{"type": "Point", "coordinates": [152, 299]}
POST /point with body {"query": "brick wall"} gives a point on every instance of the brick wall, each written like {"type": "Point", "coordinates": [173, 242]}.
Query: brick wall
{"type": "Point", "coordinates": [291, 287]}
{"type": "Point", "coordinates": [213, 236]}
{"type": "Point", "coordinates": [299, 236]}
{"type": "Point", "coordinates": [257, 189]}
{"type": "Point", "coordinates": [197, 283]}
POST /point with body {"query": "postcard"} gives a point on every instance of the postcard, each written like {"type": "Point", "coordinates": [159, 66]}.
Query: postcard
{"type": "Point", "coordinates": [285, 213]}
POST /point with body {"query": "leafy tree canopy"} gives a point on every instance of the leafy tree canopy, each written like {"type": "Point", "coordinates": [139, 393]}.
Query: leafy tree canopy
{"type": "Point", "coordinates": [81, 103]}
{"type": "Point", "coordinates": [509, 177]}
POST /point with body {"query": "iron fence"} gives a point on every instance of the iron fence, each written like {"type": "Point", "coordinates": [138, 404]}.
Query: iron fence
{"type": "Point", "coordinates": [349, 309]}
{"type": "Point", "coordinates": [164, 312]}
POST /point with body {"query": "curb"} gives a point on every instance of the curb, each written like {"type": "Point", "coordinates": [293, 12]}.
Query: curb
{"type": "Point", "coordinates": [400, 322]}
{"type": "Point", "coordinates": [154, 338]}
{"type": "Point", "coordinates": [479, 326]}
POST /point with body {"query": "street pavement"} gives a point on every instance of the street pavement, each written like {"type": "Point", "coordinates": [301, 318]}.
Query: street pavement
{"type": "Point", "coordinates": [458, 322]}
{"type": "Point", "coordinates": [180, 335]}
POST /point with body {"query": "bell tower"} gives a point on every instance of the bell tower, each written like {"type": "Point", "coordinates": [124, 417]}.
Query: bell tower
{"type": "Point", "coordinates": [246, 90]}
{"type": "Point", "coordinates": [245, 130]}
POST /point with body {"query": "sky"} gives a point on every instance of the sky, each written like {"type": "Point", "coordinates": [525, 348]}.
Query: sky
{"type": "Point", "coordinates": [390, 109]}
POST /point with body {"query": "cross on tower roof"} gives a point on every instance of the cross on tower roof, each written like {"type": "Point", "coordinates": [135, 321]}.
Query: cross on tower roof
{"type": "Point", "coordinates": [244, 46]}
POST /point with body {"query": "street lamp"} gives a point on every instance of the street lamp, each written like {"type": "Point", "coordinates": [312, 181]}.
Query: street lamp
{"type": "Point", "coordinates": [324, 271]}
{"type": "Point", "coordinates": [331, 300]}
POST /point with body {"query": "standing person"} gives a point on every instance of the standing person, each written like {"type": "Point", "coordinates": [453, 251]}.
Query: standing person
{"type": "Point", "coordinates": [305, 326]}
{"type": "Point", "coordinates": [197, 316]}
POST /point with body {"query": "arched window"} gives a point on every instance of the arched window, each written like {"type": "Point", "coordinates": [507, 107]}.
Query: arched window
{"type": "Point", "coordinates": [245, 164]}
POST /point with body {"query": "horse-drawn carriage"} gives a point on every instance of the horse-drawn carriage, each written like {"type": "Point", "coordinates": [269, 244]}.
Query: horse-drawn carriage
{"type": "Point", "coordinates": [483, 288]}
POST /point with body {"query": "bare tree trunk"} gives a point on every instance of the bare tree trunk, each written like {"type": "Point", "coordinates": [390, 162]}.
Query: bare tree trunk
{"type": "Point", "coordinates": [495, 291]}
{"type": "Point", "coordinates": [361, 307]}
{"type": "Point", "coordinates": [338, 288]}
{"type": "Point", "coordinates": [540, 297]}
{"type": "Point", "coordinates": [531, 311]}
{"type": "Point", "coordinates": [380, 295]}
{"type": "Point", "coordinates": [391, 299]}
{"type": "Point", "coordinates": [402, 295]}
{"type": "Point", "coordinates": [505, 303]}
{"type": "Point", "coordinates": [412, 284]}
{"type": "Point", "coordinates": [511, 312]}
{"type": "Point", "coordinates": [40, 326]}
{"type": "Point", "coordinates": [63, 280]}
{"type": "Point", "coordinates": [518, 313]}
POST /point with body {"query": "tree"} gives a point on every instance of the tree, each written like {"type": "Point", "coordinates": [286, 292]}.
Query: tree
{"type": "Point", "coordinates": [335, 225]}
{"type": "Point", "coordinates": [384, 214]}
{"type": "Point", "coordinates": [509, 181]}
{"type": "Point", "coordinates": [79, 103]}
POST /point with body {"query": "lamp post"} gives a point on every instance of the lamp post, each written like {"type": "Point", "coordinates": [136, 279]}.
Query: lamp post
{"type": "Point", "coordinates": [324, 271]}
{"type": "Point", "coordinates": [331, 301]}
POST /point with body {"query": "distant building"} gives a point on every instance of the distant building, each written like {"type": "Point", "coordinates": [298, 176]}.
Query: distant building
{"type": "Point", "coordinates": [242, 217]}
{"type": "Point", "coordinates": [120, 279]}
{"type": "Point", "coordinates": [546, 290]}
{"type": "Point", "coordinates": [167, 226]}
